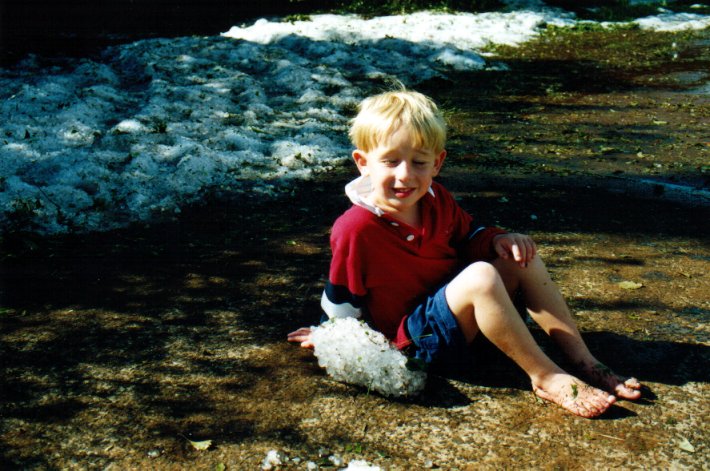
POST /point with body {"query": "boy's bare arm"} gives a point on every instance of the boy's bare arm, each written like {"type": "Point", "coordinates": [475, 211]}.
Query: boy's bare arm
{"type": "Point", "coordinates": [302, 336]}
{"type": "Point", "coordinates": [519, 246]}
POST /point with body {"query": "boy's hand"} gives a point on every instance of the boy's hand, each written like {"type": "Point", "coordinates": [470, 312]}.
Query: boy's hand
{"type": "Point", "coordinates": [521, 247]}
{"type": "Point", "coordinates": [302, 336]}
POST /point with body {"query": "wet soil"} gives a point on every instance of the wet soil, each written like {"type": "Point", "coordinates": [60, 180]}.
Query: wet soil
{"type": "Point", "coordinates": [120, 348]}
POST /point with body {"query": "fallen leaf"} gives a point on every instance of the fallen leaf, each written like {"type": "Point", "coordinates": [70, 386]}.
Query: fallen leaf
{"type": "Point", "coordinates": [630, 285]}
{"type": "Point", "coordinates": [685, 445]}
{"type": "Point", "coordinates": [201, 445]}
{"type": "Point", "coordinates": [609, 150]}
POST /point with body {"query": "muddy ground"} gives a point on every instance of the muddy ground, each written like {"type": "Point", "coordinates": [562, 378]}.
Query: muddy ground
{"type": "Point", "coordinates": [118, 349]}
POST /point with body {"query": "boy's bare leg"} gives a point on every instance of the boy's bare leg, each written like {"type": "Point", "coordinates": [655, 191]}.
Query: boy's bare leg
{"type": "Point", "coordinates": [479, 300]}
{"type": "Point", "coordinates": [548, 308]}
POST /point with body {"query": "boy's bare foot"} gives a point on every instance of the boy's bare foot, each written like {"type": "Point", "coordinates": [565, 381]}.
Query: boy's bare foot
{"type": "Point", "coordinates": [574, 395]}
{"type": "Point", "coordinates": [601, 376]}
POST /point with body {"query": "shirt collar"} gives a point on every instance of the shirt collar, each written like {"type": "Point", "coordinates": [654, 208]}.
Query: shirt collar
{"type": "Point", "coordinates": [359, 191]}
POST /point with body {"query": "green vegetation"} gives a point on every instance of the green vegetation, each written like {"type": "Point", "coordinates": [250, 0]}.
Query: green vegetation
{"type": "Point", "coordinates": [584, 27]}
{"type": "Point", "coordinates": [597, 10]}
{"type": "Point", "coordinates": [392, 7]}
{"type": "Point", "coordinates": [623, 10]}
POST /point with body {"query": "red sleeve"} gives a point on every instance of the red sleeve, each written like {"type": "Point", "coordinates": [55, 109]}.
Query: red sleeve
{"type": "Point", "coordinates": [345, 289]}
{"type": "Point", "coordinates": [346, 268]}
{"type": "Point", "coordinates": [479, 244]}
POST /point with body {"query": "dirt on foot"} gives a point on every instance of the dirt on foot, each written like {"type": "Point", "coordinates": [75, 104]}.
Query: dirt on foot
{"type": "Point", "coordinates": [131, 349]}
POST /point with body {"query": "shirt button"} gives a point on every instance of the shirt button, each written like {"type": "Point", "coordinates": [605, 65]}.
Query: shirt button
{"type": "Point", "coordinates": [410, 237]}
{"type": "Point", "coordinates": [394, 224]}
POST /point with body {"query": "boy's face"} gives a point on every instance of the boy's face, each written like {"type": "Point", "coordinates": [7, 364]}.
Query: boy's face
{"type": "Point", "coordinates": [401, 173]}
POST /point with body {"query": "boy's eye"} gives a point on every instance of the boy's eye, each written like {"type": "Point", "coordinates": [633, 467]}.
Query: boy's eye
{"type": "Point", "coordinates": [420, 163]}
{"type": "Point", "coordinates": [390, 163]}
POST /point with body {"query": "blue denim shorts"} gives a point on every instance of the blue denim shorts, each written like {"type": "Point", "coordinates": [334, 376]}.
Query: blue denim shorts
{"type": "Point", "coordinates": [433, 331]}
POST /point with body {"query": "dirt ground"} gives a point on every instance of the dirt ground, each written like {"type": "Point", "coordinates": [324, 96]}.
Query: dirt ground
{"type": "Point", "coordinates": [119, 349]}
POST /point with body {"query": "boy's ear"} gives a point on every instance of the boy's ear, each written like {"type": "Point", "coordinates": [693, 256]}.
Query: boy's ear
{"type": "Point", "coordinates": [360, 159]}
{"type": "Point", "coordinates": [439, 162]}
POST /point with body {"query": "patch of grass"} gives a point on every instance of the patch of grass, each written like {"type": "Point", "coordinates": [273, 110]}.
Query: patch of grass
{"type": "Point", "coordinates": [623, 10]}
{"type": "Point", "coordinates": [370, 8]}
{"type": "Point", "coordinates": [588, 44]}
{"type": "Point", "coordinates": [296, 17]}
{"type": "Point", "coordinates": [589, 26]}
{"type": "Point", "coordinates": [355, 447]}
{"type": "Point", "coordinates": [597, 10]}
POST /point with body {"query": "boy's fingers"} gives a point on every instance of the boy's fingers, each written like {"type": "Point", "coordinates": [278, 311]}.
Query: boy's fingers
{"type": "Point", "coordinates": [521, 248]}
{"type": "Point", "coordinates": [300, 339]}
{"type": "Point", "coordinates": [523, 254]}
{"type": "Point", "coordinates": [528, 251]}
{"type": "Point", "coordinates": [302, 330]}
{"type": "Point", "coordinates": [300, 335]}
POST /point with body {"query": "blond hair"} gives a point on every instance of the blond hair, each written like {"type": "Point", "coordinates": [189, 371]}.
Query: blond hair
{"type": "Point", "coordinates": [382, 115]}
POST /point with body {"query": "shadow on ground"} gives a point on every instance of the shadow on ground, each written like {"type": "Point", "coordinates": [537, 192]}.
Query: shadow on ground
{"type": "Point", "coordinates": [118, 347]}
{"type": "Point", "coordinates": [146, 324]}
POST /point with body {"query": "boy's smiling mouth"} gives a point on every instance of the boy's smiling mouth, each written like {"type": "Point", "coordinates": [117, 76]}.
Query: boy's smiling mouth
{"type": "Point", "coordinates": [402, 192]}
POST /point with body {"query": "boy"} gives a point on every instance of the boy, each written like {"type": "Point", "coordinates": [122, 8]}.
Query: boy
{"type": "Point", "coordinates": [411, 261]}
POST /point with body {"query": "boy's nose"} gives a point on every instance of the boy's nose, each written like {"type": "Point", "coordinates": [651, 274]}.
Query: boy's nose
{"type": "Point", "coordinates": [402, 171]}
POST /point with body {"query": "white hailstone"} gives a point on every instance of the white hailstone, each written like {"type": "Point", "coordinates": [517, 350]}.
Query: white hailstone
{"type": "Point", "coordinates": [273, 459]}
{"type": "Point", "coordinates": [352, 352]}
{"type": "Point", "coordinates": [130, 126]}
{"type": "Point", "coordinates": [361, 465]}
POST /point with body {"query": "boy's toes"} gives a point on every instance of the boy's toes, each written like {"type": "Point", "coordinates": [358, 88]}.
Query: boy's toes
{"type": "Point", "coordinates": [601, 376]}
{"type": "Point", "coordinates": [577, 397]}
{"type": "Point", "coordinates": [632, 383]}
{"type": "Point", "coordinates": [629, 389]}
{"type": "Point", "coordinates": [590, 406]}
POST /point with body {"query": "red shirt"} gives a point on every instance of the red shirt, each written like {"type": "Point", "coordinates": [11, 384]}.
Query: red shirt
{"type": "Point", "coordinates": [385, 268]}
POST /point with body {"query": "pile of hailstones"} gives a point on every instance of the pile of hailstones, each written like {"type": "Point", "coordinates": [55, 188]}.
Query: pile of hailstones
{"type": "Point", "coordinates": [352, 352]}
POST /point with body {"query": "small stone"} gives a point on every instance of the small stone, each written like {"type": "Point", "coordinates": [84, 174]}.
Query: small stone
{"type": "Point", "coordinates": [336, 460]}
{"type": "Point", "coordinates": [361, 465]}
{"type": "Point", "coordinates": [273, 459]}
{"type": "Point", "coordinates": [153, 453]}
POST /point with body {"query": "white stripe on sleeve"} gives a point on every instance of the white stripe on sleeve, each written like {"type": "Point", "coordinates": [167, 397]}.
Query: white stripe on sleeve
{"type": "Point", "coordinates": [339, 310]}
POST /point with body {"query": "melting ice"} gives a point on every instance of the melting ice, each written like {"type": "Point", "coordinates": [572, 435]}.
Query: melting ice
{"type": "Point", "coordinates": [352, 352]}
{"type": "Point", "coordinates": [153, 126]}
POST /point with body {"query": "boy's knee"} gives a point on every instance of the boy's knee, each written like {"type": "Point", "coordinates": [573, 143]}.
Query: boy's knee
{"type": "Point", "coordinates": [481, 277]}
